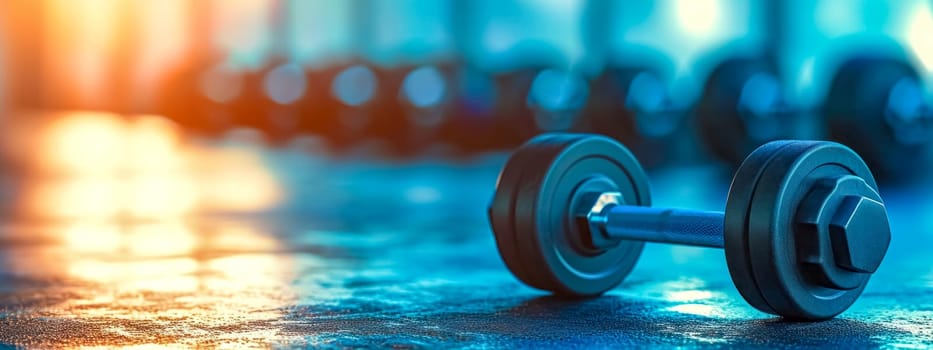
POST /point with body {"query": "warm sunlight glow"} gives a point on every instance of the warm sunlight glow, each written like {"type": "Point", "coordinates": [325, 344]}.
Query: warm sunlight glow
{"type": "Point", "coordinates": [235, 188]}
{"type": "Point", "coordinates": [84, 143]}
{"type": "Point", "coordinates": [91, 237]}
{"type": "Point", "coordinates": [85, 32]}
{"type": "Point", "coordinates": [164, 275]}
{"type": "Point", "coordinates": [103, 52]}
{"type": "Point", "coordinates": [91, 143]}
{"type": "Point", "coordinates": [154, 196]}
{"type": "Point", "coordinates": [106, 166]}
{"type": "Point", "coordinates": [230, 237]}
{"type": "Point", "coordinates": [160, 239]}
{"type": "Point", "coordinates": [164, 34]}
{"type": "Point", "coordinates": [128, 201]}
{"type": "Point", "coordinates": [153, 144]}
{"type": "Point", "coordinates": [136, 264]}
{"type": "Point", "coordinates": [86, 197]}
{"type": "Point", "coordinates": [246, 271]}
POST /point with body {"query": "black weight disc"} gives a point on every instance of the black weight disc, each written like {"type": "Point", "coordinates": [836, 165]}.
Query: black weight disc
{"type": "Point", "coordinates": [555, 173]}
{"type": "Point", "coordinates": [632, 104]}
{"type": "Point", "coordinates": [740, 197]}
{"type": "Point", "coordinates": [721, 120]}
{"type": "Point", "coordinates": [502, 209]}
{"type": "Point", "coordinates": [536, 276]}
{"type": "Point", "coordinates": [875, 106]}
{"type": "Point", "coordinates": [769, 252]}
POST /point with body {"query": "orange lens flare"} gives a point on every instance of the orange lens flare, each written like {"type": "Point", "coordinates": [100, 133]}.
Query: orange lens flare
{"type": "Point", "coordinates": [103, 166]}
{"type": "Point", "coordinates": [121, 202]}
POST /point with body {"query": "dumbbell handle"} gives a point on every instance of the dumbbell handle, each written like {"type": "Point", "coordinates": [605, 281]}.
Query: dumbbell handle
{"type": "Point", "coordinates": [662, 225]}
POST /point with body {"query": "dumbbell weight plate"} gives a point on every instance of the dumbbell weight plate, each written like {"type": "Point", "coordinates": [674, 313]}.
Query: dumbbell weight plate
{"type": "Point", "coordinates": [740, 197]}
{"type": "Point", "coordinates": [632, 105]}
{"type": "Point", "coordinates": [721, 123]}
{"type": "Point", "coordinates": [857, 115]}
{"type": "Point", "coordinates": [769, 253]}
{"type": "Point", "coordinates": [554, 171]}
{"type": "Point", "coordinates": [502, 213]}
{"type": "Point", "coordinates": [526, 248]}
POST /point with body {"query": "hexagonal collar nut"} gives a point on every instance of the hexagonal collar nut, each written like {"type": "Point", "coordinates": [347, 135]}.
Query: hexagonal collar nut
{"type": "Point", "coordinates": [835, 257]}
{"type": "Point", "coordinates": [591, 221]}
{"type": "Point", "coordinates": [860, 234]}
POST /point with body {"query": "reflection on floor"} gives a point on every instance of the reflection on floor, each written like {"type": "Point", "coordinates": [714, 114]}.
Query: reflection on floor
{"type": "Point", "coordinates": [234, 245]}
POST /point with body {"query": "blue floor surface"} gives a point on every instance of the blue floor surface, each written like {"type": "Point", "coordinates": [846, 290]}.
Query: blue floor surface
{"type": "Point", "coordinates": [388, 255]}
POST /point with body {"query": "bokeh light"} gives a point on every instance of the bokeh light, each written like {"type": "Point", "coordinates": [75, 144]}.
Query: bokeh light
{"type": "Point", "coordinates": [105, 166]}
{"type": "Point", "coordinates": [285, 84]}
{"type": "Point", "coordinates": [424, 87]}
{"type": "Point", "coordinates": [700, 18]}
{"type": "Point", "coordinates": [355, 85]}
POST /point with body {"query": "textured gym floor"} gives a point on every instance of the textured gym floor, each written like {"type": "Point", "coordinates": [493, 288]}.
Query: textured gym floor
{"type": "Point", "coordinates": [284, 249]}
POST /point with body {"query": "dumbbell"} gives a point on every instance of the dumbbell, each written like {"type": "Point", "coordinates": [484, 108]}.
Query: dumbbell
{"type": "Point", "coordinates": [514, 118]}
{"type": "Point", "coordinates": [743, 106]}
{"type": "Point", "coordinates": [423, 101]}
{"type": "Point", "coordinates": [355, 90]}
{"type": "Point", "coordinates": [632, 104]}
{"type": "Point", "coordinates": [803, 230]}
{"type": "Point", "coordinates": [284, 85]}
{"type": "Point", "coordinates": [877, 106]}
{"type": "Point", "coordinates": [874, 104]}
{"type": "Point", "coordinates": [556, 99]}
